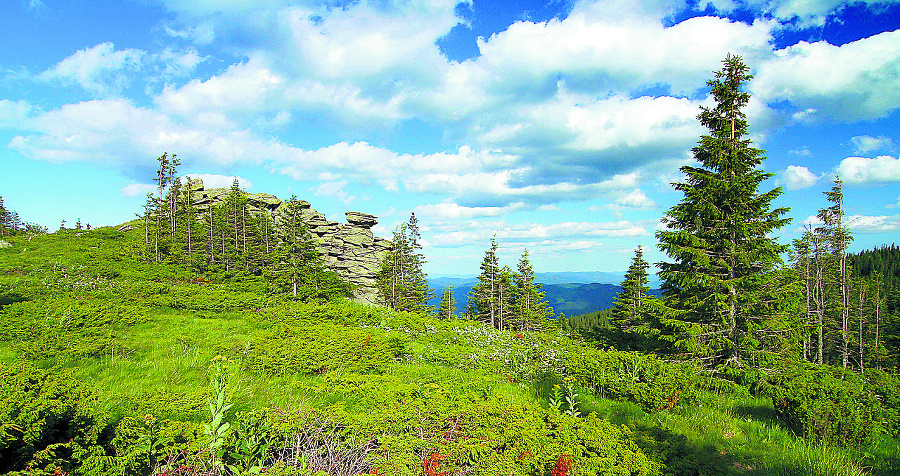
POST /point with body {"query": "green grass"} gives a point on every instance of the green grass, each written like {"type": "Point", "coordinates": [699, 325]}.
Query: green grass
{"type": "Point", "coordinates": [446, 371]}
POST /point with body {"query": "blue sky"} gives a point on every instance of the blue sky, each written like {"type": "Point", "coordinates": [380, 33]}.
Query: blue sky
{"type": "Point", "coordinates": [554, 126]}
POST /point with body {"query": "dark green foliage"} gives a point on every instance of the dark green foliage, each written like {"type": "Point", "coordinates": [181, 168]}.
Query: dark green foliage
{"type": "Point", "coordinates": [530, 309]}
{"type": "Point", "coordinates": [630, 304]}
{"type": "Point", "coordinates": [67, 324]}
{"type": "Point", "coordinates": [826, 403]}
{"type": "Point", "coordinates": [886, 387]}
{"type": "Point", "coordinates": [883, 262]}
{"type": "Point", "coordinates": [48, 421]}
{"type": "Point", "coordinates": [640, 378]}
{"type": "Point", "coordinates": [719, 235]}
{"type": "Point", "coordinates": [401, 281]}
{"type": "Point", "coordinates": [296, 267]}
{"type": "Point", "coordinates": [508, 299]}
{"type": "Point", "coordinates": [317, 348]}
{"type": "Point", "coordinates": [485, 296]}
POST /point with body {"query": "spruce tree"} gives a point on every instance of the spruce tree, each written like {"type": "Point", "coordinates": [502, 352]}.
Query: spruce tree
{"type": "Point", "coordinates": [531, 307]}
{"type": "Point", "coordinates": [295, 260]}
{"type": "Point", "coordinates": [719, 235]}
{"type": "Point", "coordinates": [447, 307]}
{"type": "Point", "coordinates": [838, 237]}
{"type": "Point", "coordinates": [485, 294]}
{"type": "Point", "coordinates": [401, 281]}
{"type": "Point", "coordinates": [631, 303]}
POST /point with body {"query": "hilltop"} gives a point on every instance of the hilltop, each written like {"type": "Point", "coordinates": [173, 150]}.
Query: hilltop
{"type": "Point", "coordinates": [115, 365]}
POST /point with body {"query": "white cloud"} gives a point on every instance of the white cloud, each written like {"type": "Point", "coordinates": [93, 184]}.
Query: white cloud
{"type": "Point", "coordinates": [810, 13]}
{"type": "Point", "coordinates": [201, 34]}
{"type": "Point", "coordinates": [138, 189]}
{"type": "Point", "coordinates": [866, 171]}
{"type": "Point", "coordinates": [13, 113]}
{"type": "Point", "coordinates": [454, 211]}
{"type": "Point", "coordinates": [635, 199]}
{"type": "Point", "coordinates": [335, 189]}
{"type": "Point", "coordinates": [100, 70]}
{"type": "Point", "coordinates": [864, 144]}
{"type": "Point", "coordinates": [797, 177]}
{"type": "Point", "coordinates": [865, 85]}
{"type": "Point", "coordinates": [452, 233]}
{"type": "Point", "coordinates": [873, 224]}
{"type": "Point", "coordinates": [243, 87]}
{"type": "Point", "coordinates": [177, 63]}
{"type": "Point", "coordinates": [595, 46]}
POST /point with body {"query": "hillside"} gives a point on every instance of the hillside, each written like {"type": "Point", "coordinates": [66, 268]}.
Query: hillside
{"type": "Point", "coordinates": [113, 365]}
{"type": "Point", "coordinates": [569, 298]}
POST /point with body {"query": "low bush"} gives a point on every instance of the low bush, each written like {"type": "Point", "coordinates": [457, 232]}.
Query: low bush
{"type": "Point", "coordinates": [887, 388]}
{"type": "Point", "coordinates": [48, 423]}
{"type": "Point", "coordinates": [826, 403]}
{"type": "Point", "coordinates": [315, 349]}
{"type": "Point", "coordinates": [644, 379]}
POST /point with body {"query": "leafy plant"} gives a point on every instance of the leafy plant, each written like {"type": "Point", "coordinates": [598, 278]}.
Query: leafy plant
{"type": "Point", "coordinates": [217, 428]}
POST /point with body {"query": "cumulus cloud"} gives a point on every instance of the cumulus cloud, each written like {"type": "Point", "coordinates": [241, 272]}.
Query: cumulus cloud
{"type": "Point", "coordinates": [635, 199]}
{"type": "Point", "coordinates": [138, 189]}
{"type": "Point", "coordinates": [335, 189]}
{"type": "Point", "coordinates": [100, 70]}
{"type": "Point", "coordinates": [475, 231]}
{"type": "Point", "coordinates": [454, 211]}
{"type": "Point", "coordinates": [866, 171]}
{"type": "Point", "coordinates": [865, 86]}
{"type": "Point", "coordinates": [864, 144]}
{"type": "Point", "coordinates": [873, 224]}
{"type": "Point", "coordinates": [797, 177]}
{"type": "Point", "coordinates": [13, 113]}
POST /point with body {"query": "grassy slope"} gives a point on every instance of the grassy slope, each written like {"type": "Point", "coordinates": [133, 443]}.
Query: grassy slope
{"type": "Point", "coordinates": [398, 377]}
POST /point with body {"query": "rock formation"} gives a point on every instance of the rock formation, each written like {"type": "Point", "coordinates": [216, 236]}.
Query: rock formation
{"type": "Point", "coordinates": [350, 249]}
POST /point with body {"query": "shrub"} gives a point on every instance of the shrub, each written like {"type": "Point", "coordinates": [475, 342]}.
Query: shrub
{"type": "Point", "coordinates": [887, 387]}
{"type": "Point", "coordinates": [826, 403]}
{"type": "Point", "coordinates": [640, 378]}
{"type": "Point", "coordinates": [311, 349]}
{"type": "Point", "coordinates": [48, 422]}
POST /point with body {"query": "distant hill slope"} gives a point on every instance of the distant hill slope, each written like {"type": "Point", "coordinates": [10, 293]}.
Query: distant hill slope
{"type": "Point", "coordinates": [571, 298]}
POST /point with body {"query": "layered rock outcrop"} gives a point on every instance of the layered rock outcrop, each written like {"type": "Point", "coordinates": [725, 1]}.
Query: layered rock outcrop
{"type": "Point", "coordinates": [350, 249]}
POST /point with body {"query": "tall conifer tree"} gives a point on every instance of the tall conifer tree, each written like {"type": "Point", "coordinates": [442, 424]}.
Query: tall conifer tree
{"type": "Point", "coordinates": [485, 294]}
{"type": "Point", "coordinates": [718, 235]}
{"type": "Point", "coordinates": [531, 308]}
{"type": "Point", "coordinates": [401, 281]}
{"type": "Point", "coordinates": [630, 303]}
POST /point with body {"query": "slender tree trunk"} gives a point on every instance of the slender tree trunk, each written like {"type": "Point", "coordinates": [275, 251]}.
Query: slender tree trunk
{"type": "Point", "coordinates": [878, 325]}
{"type": "Point", "coordinates": [862, 297]}
{"type": "Point", "coordinates": [212, 239]}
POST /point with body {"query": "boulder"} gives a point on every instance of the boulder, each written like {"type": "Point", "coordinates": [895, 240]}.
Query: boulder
{"type": "Point", "coordinates": [194, 184]}
{"type": "Point", "coordinates": [351, 250]}
{"type": "Point", "coordinates": [264, 200]}
{"type": "Point", "coordinates": [362, 220]}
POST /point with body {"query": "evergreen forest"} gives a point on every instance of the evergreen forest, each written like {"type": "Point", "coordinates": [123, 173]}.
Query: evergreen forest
{"type": "Point", "coordinates": [216, 340]}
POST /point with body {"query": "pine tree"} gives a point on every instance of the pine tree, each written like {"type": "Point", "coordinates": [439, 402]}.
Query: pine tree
{"type": "Point", "coordinates": [532, 309]}
{"type": "Point", "coordinates": [506, 299]}
{"type": "Point", "coordinates": [485, 294]}
{"type": "Point", "coordinates": [447, 307]}
{"type": "Point", "coordinates": [295, 256]}
{"type": "Point", "coordinates": [5, 228]}
{"type": "Point", "coordinates": [630, 304]}
{"type": "Point", "coordinates": [838, 237]}
{"type": "Point", "coordinates": [718, 235]}
{"type": "Point", "coordinates": [401, 281]}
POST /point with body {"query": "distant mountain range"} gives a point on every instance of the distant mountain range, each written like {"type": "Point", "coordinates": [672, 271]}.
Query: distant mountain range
{"type": "Point", "coordinates": [571, 293]}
